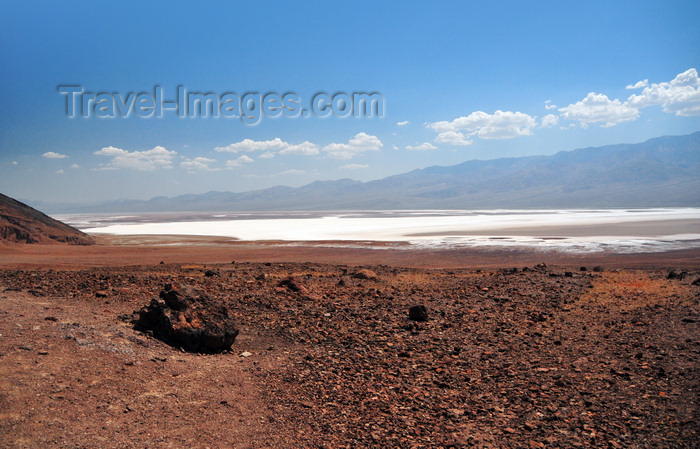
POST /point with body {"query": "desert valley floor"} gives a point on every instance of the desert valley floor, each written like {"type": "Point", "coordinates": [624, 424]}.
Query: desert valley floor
{"type": "Point", "coordinates": [520, 349]}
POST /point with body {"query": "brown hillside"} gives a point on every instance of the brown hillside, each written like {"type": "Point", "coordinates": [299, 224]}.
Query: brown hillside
{"type": "Point", "coordinates": [20, 223]}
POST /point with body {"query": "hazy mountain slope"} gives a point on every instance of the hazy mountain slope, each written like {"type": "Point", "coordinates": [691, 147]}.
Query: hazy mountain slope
{"type": "Point", "coordinates": [660, 172]}
{"type": "Point", "coordinates": [20, 223]}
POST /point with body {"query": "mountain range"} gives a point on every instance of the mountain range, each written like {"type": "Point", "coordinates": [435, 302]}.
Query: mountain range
{"type": "Point", "coordinates": [661, 172]}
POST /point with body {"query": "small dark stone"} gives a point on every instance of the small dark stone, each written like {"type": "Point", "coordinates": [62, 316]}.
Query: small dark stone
{"type": "Point", "coordinates": [100, 294]}
{"type": "Point", "coordinates": [210, 273]}
{"type": "Point", "coordinates": [583, 269]}
{"type": "Point", "coordinates": [696, 282]}
{"type": "Point", "coordinates": [51, 318]}
{"type": "Point", "coordinates": [418, 313]}
{"type": "Point", "coordinates": [162, 263]}
{"type": "Point", "coordinates": [598, 269]}
{"type": "Point", "coordinates": [568, 274]}
{"type": "Point", "coordinates": [293, 284]}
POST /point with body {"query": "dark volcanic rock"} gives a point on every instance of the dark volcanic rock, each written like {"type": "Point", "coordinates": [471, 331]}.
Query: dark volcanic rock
{"type": "Point", "coordinates": [187, 318]}
{"type": "Point", "coordinates": [418, 313]}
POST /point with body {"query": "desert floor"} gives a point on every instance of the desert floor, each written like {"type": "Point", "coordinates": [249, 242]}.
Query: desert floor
{"type": "Point", "coordinates": [520, 349]}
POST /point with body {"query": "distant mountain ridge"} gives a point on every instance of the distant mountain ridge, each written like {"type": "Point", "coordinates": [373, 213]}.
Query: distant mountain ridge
{"type": "Point", "coordinates": [661, 172]}
{"type": "Point", "coordinates": [20, 223]}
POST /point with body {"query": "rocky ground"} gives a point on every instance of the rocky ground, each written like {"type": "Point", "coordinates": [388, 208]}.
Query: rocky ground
{"type": "Point", "coordinates": [537, 356]}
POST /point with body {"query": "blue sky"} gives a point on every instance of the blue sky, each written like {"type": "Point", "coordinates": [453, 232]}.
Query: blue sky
{"type": "Point", "coordinates": [459, 80]}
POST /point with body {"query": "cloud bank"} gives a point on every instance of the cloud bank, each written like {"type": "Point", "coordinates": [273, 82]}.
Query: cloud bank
{"type": "Point", "coordinates": [359, 144]}
{"type": "Point", "coordinates": [680, 96]}
{"type": "Point", "coordinates": [153, 159]}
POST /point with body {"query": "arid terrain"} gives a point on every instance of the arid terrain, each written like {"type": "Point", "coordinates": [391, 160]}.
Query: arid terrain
{"type": "Point", "coordinates": [520, 349]}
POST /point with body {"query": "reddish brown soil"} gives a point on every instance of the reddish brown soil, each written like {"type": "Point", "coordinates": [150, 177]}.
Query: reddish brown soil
{"type": "Point", "coordinates": [547, 357]}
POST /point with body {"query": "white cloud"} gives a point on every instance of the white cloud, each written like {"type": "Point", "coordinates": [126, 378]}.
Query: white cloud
{"type": "Point", "coordinates": [198, 163]}
{"type": "Point", "coordinates": [548, 105]}
{"type": "Point", "coordinates": [638, 85]}
{"type": "Point", "coordinates": [359, 144]}
{"type": "Point", "coordinates": [60, 172]}
{"type": "Point", "coordinates": [422, 147]}
{"type": "Point", "coordinates": [404, 123]}
{"type": "Point", "coordinates": [52, 155]}
{"type": "Point", "coordinates": [271, 147]}
{"type": "Point", "coordinates": [453, 138]}
{"type": "Point", "coordinates": [499, 125]}
{"type": "Point", "coordinates": [249, 145]}
{"type": "Point", "coordinates": [597, 108]}
{"type": "Point", "coordinates": [550, 120]}
{"type": "Point", "coordinates": [14, 163]}
{"type": "Point", "coordinates": [293, 171]}
{"type": "Point", "coordinates": [680, 96]}
{"type": "Point", "coordinates": [239, 161]}
{"type": "Point", "coordinates": [153, 159]}
{"type": "Point", "coordinates": [303, 149]}
{"type": "Point", "coordinates": [75, 166]}
{"type": "Point", "coordinates": [353, 166]}
{"type": "Point", "coordinates": [395, 147]}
